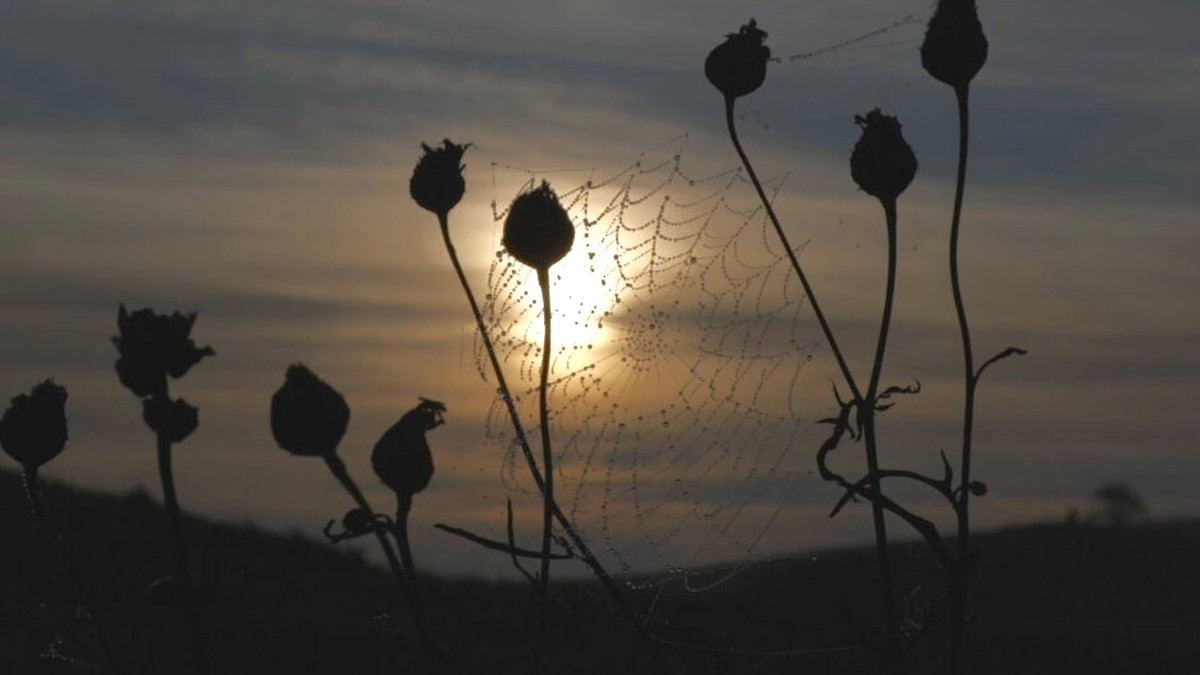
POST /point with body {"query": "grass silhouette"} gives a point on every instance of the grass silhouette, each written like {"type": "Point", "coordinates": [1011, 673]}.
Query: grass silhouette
{"type": "Point", "coordinates": [1059, 599]}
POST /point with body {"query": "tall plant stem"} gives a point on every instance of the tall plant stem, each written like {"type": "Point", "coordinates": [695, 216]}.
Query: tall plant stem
{"type": "Point", "coordinates": [958, 591]}
{"type": "Point", "coordinates": [866, 404]}
{"type": "Point", "coordinates": [787, 247]}
{"type": "Point", "coordinates": [42, 524]}
{"type": "Point", "coordinates": [338, 468]}
{"type": "Point", "coordinates": [403, 507]}
{"type": "Point", "coordinates": [505, 392]}
{"type": "Point", "coordinates": [543, 275]}
{"type": "Point", "coordinates": [895, 651]}
{"type": "Point", "coordinates": [577, 540]}
{"type": "Point", "coordinates": [182, 563]}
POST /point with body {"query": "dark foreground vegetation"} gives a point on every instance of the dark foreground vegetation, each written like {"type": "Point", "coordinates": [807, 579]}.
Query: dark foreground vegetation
{"type": "Point", "coordinates": [1053, 599]}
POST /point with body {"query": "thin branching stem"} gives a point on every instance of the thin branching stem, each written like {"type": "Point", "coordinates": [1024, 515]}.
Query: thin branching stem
{"type": "Point", "coordinates": [895, 650]}
{"type": "Point", "coordinates": [959, 581]}
{"type": "Point", "coordinates": [501, 547]}
{"type": "Point", "coordinates": [577, 540]}
{"type": "Point", "coordinates": [338, 468]}
{"type": "Point", "coordinates": [182, 563]}
{"type": "Point", "coordinates": [543, 275]}
{"type": "Point", "coordinates": [787, 247]}
{"type": "Point", "coordinates": [867, 403]}
{"type": "Point", "coordinates": [42, 524]}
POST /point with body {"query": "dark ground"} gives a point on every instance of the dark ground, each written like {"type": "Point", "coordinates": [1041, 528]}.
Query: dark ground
{"type": "Point", "coordinates": [1049, 599]}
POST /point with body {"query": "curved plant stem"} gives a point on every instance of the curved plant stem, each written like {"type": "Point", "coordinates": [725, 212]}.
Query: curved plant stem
{"type": "Point", "coordinates": [505, 392]}
{"type": "Point", "coordinates": [338, 468]}
{"type": "Point", "coordinates": [41, 523]}
{"type": "Point", "coordinates": [543, 275]}
{"type": "Point", "coordinates": [787, 247]}
{"type": "Point", "coordinates": [182, 563]}
{"type": "Point", "coordinates": [403, 506]}
{"type": "Point", "coordinates": [866, 404]}
{"type": "Point", "coordinates": [577, 540]}
{"type": "Point", "coordinates": [894, 657]}
{"type": "Point", "coordinates": [958, 591]}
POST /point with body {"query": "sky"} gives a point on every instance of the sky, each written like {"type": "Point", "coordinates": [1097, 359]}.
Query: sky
{"type": "Point", "coordinates": [249, 161]}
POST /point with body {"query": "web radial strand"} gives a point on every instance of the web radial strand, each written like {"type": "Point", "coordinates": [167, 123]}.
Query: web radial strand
{"type": "Point", "coordinates": [681, 341]}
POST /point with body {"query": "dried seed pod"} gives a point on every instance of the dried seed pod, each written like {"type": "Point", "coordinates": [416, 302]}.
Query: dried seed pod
{"type": "Point", "coordinates": [401, 458]}
{"type": "Point", "coordinates": [738, 66]}
{"type": "Point", "coordinates": [153, 346]}
{"type": "Point", "coordinates": [357, 520]}
{"type": "Point", "coordinates": [176, 420]}
{"type": "Point", "coordinates": [33, 430]}
{"type": "Point", "coordinates": [308, 417]}
{"type": "Point", "coordinates": [882, 163]}
{"type": "Point", "coordinates": [955, 47]}
{"type": "Point", "coordinates": [437, 182]}
{"type": "Point", "coordinates": [538, 231]}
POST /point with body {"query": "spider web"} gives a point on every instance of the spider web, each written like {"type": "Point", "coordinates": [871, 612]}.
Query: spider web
{"type": "Point", "coordinates": [673, 388]}
{"type": "Point", "coordinates": [682, 409]}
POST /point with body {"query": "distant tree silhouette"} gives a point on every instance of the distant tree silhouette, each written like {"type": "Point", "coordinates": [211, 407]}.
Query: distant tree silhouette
{"type": "Point", "coordinates": [1118, 505]}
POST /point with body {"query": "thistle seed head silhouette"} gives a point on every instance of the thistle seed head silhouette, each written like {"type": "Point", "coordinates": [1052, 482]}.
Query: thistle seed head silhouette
{"type": "Point", "coordinates": [738, 66]}
{"type": "Point", "coordinates": [402, 458]}
{"type": "Point", "coordinates": [175, 420]}
{"type": "Point", "coordinates": [955, 47]}
{"type": "Point", "coordinates": [33, 430]}
{"type": "Point", "coordinates": [437, 182]}
{"type": "Point", "coordinates": [153, 346]}
{"type": "Point", "coordinates": [538, 231]}
{"type": "Point", "coordinates": [308, 417]}
{"type": "Point", "coordinates": [882, 163]}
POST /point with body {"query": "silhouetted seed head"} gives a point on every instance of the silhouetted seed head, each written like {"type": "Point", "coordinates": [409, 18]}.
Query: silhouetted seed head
{"type": "Point", "coordinates": [153, 346]}
{"type": "Point", "coordinates": [308, 417]}
{"type": "Point", "coordinates": [175, 420]}
{"type": "Point", "coordinates": [955, 47]}
{"type": "Point", "coordinates": [33, 430]}
{"type": "Point", "coordinates": [401, 458]}
{"type": "Point", "coordinates": [738, 65]}
{"type": "Point", "coordinates": [357, 520]}
{"type": "Point", "coordinates": [882, 163]}
{"type": "Point", "coordinates": [977, 488]}
{"type": "Point", "coordinates": [437, 182]}
{"type": "Point", "coordinates": [538, 231]}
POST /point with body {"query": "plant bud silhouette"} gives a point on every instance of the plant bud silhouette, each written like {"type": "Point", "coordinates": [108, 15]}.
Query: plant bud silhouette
{"type": "Point", "coordinates": [153, 346]}
{"type": "Point", "coordinates": [175, 420]}
{"type": "Point", "coordinates": [955, 47]}
{"type": "Point", "coordinates": [33, 430]}
{"type": "Point", "coordinates": [401, 458]}
{"type": "Point", "coordinates": [357, 520]}
{"type": "Point", "coordinates": [538, 231]}
{"type": "Point", "coordinates": [882, 163]}
{"type": "Point", "coordinates": [308, 417]}
{"type": "Point", "coordinates": [738, 66]}
{"type": "Point", "coordinates": [437, 182]}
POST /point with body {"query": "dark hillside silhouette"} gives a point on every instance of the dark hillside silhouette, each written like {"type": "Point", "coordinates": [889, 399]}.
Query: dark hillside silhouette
{"type": "Point", "coordinates": [1056, 600]}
